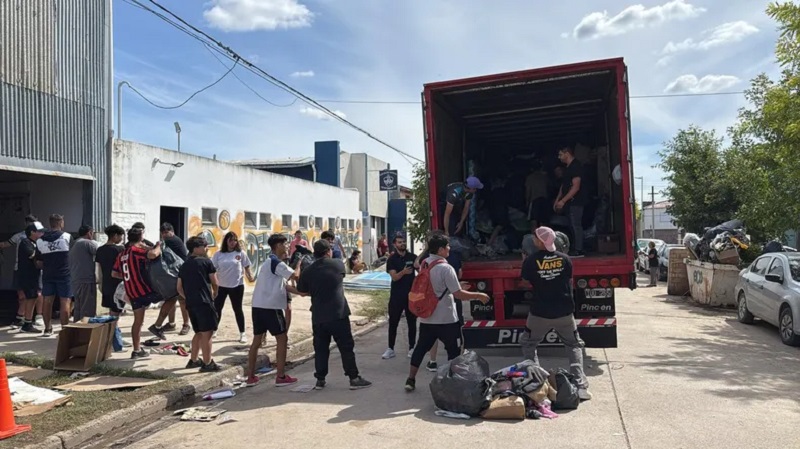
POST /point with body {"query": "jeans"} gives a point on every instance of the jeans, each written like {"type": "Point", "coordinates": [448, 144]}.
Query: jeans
{"type": "Point", "coordinates": [575, 218]}
{"type": "Point", "coordinates": [567, 330]}
{"type": "Point", "coordinates": [342, 334]}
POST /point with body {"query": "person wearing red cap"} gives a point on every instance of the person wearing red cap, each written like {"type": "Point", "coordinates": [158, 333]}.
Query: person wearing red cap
{"type": "Point", "coordinates": [457, 200]}
{"type": "Point", "coordinates": [550, 274]}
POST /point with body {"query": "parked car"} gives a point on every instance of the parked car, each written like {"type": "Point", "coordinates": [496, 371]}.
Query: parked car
{"type": "Point", "coordinates": [663, 260]}
{"type": "Point", "coordinates": [641, 254]}
{"type": "Point", "coordinates": [769, 289]}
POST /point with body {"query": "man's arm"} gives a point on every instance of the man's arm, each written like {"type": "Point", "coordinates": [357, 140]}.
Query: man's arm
{"type": "Point", "coordinates": [180, 289]}
{"type": "Point", "coordinates": [214, 284]}
{"type": "Point", "coordinates": [465, 212]}
{"type": "Point", "coordinates": [448, 210]}
{"type": "Point", "coordinates": [117, 275]}
{"type": "Point", "coordinates": [155, 253]}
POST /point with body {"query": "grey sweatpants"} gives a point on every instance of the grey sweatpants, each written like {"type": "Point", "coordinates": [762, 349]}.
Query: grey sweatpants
{"type": "Point", "coordinates": [85, 301]}
{"type": "Point", "coordinates": [567, 330]}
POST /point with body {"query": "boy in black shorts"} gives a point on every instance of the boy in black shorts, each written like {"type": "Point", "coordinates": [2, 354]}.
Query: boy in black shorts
{"type": "Point", "coordinates": [106, 257]}
{"type": "Point", "coordinates": [29, 276]}
{"type": "Point", "coordinates": [197, 284]}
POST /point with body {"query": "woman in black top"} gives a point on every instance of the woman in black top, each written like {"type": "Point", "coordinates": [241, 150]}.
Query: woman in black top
{"type": "Point", "coordinates": [652, 256]}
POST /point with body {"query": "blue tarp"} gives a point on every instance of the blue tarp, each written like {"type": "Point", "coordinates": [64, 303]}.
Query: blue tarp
{"type": "Point", "coordinates": [374, 280]}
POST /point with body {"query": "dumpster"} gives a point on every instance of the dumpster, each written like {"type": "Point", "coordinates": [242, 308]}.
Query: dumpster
{"type": "Point", "coordinates": [712, 284]}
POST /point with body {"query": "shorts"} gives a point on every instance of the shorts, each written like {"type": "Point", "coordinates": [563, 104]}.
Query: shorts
{"type": "Point", "coordinates": [15, 281]}
{"type": "Point", "coordinates": [62, 289]}
{"type": "Point", "coordinates": [30, 293]}
{"type": "Point", "coordinates": [109, 303]}
{"type": "Point", "coordinates": [268, 320]}
{"type": "Point", "coordinates": [203, 317]}
{"type": "Point", "coordinates": [146, 300]}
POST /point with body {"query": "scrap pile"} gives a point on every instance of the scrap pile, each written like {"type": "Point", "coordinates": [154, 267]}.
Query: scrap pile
{"type": "Point", "coordinates": [720, 244]}
{"type": "Point", "coordinates": [465, 388]}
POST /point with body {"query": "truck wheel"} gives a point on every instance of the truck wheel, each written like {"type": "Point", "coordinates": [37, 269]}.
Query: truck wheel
{"type": "Point", "coordinates": [743, 314]}
{"type": "Point", "coordinates": [786, 327]}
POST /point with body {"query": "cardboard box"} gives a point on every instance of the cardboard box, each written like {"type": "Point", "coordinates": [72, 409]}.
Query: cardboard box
{"type": "Point", "coordinates": [81, 346]}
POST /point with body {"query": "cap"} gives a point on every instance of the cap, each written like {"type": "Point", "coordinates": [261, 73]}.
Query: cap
{"type": "Point", "coordinates": [547, 236]}
{"type": "Point", "coordinates": [474, 183]}
{"type": "Point", "coordinates": [34, 227]}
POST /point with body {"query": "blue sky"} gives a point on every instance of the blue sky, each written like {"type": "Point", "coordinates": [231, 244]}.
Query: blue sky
{"type": "Point", "coordinates": [369, 50]}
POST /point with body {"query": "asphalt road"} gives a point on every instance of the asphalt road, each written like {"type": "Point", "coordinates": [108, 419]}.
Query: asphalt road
{"type": "Point", "coordinates": [682, 377]}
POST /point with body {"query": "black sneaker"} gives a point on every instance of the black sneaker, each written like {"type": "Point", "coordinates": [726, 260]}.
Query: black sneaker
{"type": "Point", "coordinates": [411, 385]}
{"type": "Point", "coordinates": [359, 382]}
{"type": "Point", "coordinates": [194, 364]}
{"type": "Point", "coordinates": [212, 367]}
{"type": "Point", "coordinates": [320, 384]}
{"type": "Point", "coordinates": [29, 328]}
{"type": "Point", "coordinates": [157, 331]}
{"type": "Point", "coordinates": [432, 366]}
{"type": "Point", "coordinates": [18, 322]}
{"type": "Point", "coordinates": [140, 354]}
{"type": "Point", "coordinates": [169, 327]}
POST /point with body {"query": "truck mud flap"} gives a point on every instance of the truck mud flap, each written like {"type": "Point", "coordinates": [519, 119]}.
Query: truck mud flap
{"type": "Point", "coordinates": [595, 332]}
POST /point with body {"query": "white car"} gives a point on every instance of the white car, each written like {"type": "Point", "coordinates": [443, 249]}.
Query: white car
{"type": "Point", "coordinates": [642, 263]}
{"type": "Point", "coordinates": [769, 289]}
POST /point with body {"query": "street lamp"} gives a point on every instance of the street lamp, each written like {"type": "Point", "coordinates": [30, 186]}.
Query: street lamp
{"type": "Point", "coordinates": [178, 130]}
{"type": "Point", "coordinates": [119, 107]}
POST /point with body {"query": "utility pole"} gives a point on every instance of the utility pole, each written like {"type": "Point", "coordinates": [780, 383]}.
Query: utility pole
{"type": "Point", "coordinates": [641, 198]}
{"type": "Point", "coordinates": [653, 208]}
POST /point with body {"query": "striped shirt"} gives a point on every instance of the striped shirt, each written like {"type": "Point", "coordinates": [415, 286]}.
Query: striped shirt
{"type": "Point", "coordinates": [132, 264]}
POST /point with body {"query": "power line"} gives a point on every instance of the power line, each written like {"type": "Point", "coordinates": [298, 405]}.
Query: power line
{"type": "Point", "coordinates": [203, 37]}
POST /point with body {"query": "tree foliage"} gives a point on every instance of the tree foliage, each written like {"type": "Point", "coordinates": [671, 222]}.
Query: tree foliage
{"type": "Point", "coordinates": [420, 222]}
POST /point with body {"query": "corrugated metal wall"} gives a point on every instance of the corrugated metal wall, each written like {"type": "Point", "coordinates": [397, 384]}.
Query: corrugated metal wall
{"type": "Point", "coordinates": [53, 90]}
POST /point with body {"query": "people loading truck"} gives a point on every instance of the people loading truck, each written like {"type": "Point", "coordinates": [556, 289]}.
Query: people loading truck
{"type": "Point", "coordinates": [505, 128]}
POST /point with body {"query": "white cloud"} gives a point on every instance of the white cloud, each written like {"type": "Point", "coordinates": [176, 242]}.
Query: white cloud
{"type": "Point", "coordinates": [252, 15]}
{"type": "Point", "coordinates": [600, 24]}
{"type": "Point", "coordinates": [305, 74]}
{"type": "Point", "coordinates": [707, 84]}
{"type": "Point", "coordinates": [320, 114]}
{"type": "Point", "coordinates": [727, 33]}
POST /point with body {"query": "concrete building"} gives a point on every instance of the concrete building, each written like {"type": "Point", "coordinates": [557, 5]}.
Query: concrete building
{"type": "Point", "coordinates": [55, 115]}
{"type": "Point", "coordinates": [657, 223]}
{"type": "Point", "coordinates": [201, 196]}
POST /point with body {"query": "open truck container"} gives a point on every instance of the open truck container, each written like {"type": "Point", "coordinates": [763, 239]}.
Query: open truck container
{"type": "Point", "coordinates": [473, 121]}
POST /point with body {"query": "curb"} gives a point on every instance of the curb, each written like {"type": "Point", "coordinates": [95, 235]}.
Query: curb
{"type": "Point", "coordinates": [103, 425]}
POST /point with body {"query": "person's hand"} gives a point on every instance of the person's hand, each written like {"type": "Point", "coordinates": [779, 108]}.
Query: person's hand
{"type": "Point", "coordinates": [407, 271]}
{"type": "Point", "coordinates": [559, 205]}
{"type": "Point", "coordinates": [459, 227]}
{"type": "Point", "coordinates": [483, 298]}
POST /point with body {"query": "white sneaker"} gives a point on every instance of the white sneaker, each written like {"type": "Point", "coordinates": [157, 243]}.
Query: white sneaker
{"type": "Point", "coordinates": [584, 394]}
{"type": "Point", "coordinates": [389, 354]}
{"type": "Point", "coordinates": [39, 321]}
{"type": "Point", "coordinates": [410, 352]}
{"type": "Point", "coordinates": [242, 338]}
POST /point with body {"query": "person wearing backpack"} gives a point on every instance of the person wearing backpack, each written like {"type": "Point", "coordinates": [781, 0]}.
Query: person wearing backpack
{"type": "Point", "coordinates": [550, 274]}
{"type": "Point", "coordinates": [432, 299]}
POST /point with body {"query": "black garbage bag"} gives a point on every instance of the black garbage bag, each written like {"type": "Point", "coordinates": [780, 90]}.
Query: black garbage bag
{"type": "Point", "coordinates": [567, 392]}
{"type": "Point", "coordinates": [463, 385]}
{"type": "Point", "coordinates": [773, 247]}
{"type": "Point", "coordinates": [302, 256]}
{"type": "Point", "coordinates": [163, 273]}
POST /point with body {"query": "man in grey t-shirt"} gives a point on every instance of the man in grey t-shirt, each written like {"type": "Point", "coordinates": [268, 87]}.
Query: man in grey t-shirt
{"type": "Point", "coordinates": [82, 274]}
{"type": "Point", "coordinates": [443, 324]}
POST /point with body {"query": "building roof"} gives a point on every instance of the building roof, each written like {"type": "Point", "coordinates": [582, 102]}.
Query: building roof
{"type": "Point", "coordinates": [287, 162]}
{"type": "Point", "coordinates": [659, 205]}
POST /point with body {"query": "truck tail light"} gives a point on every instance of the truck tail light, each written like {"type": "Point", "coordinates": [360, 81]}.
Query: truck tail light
{"type": "Point", "coordinates": [582, 283]}
{"type": "Point", "coordinates": [592, 283]}
{"type": "Point", "coordinates": [604, 283]}
{"type": "Point", "coordinates": [615, 282]}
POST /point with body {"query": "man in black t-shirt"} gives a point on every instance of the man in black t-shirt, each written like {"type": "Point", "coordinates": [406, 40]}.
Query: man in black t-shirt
{"type": "Point", "coordinates": [29, 275]}
{"type": "Point", "coordinates": [197, 284]}
{"type": "Point", "coordinates": [174, 243]}
{"type": "Point", "coordinates": [330, 314]}
{"type": "Point", "coordinates": [400, 266]}
{"type": "Point", "coordinates": [458, 198]}
{"type": "Point", "coordinates": [572, 197]}
{"type": "Point", "coordinates": [550, 274]}
{"type": "Point", "coordinates": [106, 257]}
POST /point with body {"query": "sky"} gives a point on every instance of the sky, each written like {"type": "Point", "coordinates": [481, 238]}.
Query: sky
{"type": "Point", "coordinates": [366, 50]}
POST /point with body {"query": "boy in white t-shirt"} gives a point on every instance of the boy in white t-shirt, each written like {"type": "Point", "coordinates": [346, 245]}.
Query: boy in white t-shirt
{"type": "Point", "coordinates": [269, 304]}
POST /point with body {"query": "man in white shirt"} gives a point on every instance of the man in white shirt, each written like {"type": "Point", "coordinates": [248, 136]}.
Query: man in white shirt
{"type": "Point", "coordinates": [269, 304]}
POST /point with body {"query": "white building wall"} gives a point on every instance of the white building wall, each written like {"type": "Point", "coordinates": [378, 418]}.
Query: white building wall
{"type": "Point", "coordinates": [663, 220]}
{"type": "Point", "coordinates": [141, 186]}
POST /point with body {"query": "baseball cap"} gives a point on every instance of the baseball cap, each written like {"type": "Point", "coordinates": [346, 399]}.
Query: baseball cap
{"type": "Point", "coordinates": [547, 236]}
{"type": "Point", "coordinates": [474, 183]}
{"type": "Point", "coordinates": [34, 227]}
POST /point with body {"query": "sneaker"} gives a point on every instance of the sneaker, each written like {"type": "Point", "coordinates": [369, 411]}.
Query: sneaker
{"type": "Point", "coordinates": [194, 364]}
{"type": "Point", "coordinates": [359, 382]}
{"type": "Point", "coordinates": [432, 366]}
{"type": "Point", "coordinates": [212, 367]}
{"type": "Point", "coordinates": [284, 381]}
{"type": "Point", "coordinates": [411, 384]}
{"type": "Point", "coordinates": [251, 381]}
{"type": "Point", "coordinates": [47, 333]}
{"type": "Point", "coordinates": [169, 327]}
{"type": "Point", "coordinates": [141, 354]}
{"type": "Point", "coordinates": [584, 394]}
{"type": "Point", "coordinates": [410, 352]}
{"type": "Point", "coordinates": [242, 338]}
{"type": "Point", "coordinates": [157, 331]}
{"type": "Point", "coordinates": [185, 329]}
{"type": "Point", "coordinates": [39, 321]}
{"type": "Point", "coordinates": [29, 328]}
{"type": "Point", "coordinates": [389, 354]}
{"type": "Point", "coordinates": [320, 384]}
{"type": "Point", "coordinates": [18, 322]}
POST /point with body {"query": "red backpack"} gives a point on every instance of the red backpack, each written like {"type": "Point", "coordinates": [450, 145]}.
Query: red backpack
{"type": "Point", "coordinates": [422, 300]}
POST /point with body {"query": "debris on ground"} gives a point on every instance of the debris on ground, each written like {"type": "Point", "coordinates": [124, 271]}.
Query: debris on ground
{"type": "Point", "coordinates": [303, 388]}
{"type": "Point", "coordinates": [28, 400]}
{"type": "Point", "coordinates": [102, 383]}
{"type": "Point", "coordinates": [200, 414]}
{"type": "Point", "coordinates": [223, 393]}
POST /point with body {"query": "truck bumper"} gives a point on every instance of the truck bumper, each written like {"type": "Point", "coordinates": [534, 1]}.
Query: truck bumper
{"type": "Point", "coordinates": [595, 332]}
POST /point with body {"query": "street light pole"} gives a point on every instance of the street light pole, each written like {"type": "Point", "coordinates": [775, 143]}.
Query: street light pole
{"type": "Point", "coordinates": [178, 130]}
{"type": "Point", "coordinates": [641, 228]}
{"type": "Point", "coordinates": [119, 108]}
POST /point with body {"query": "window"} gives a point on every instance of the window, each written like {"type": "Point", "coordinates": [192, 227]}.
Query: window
{"type": "Point", "coordinates": [760, 265]}
{"type": "Point", "coordinates": [320, 222]}
{"type": "Point", "coordinates": [351, 224]}
{"type": "Point", "coordinates": [209, 216]}
{"type": "Point", "coordinates": [304, 222]}
{"type": "Point", "coordinates": [250, 220]}
{"type": "Point", "coordinates": [794, 267]}
{"type": "Point", "coordinates": [265, 220]}
{"type": "Point", "coordinates": [286, 221]}
{"type": "Point", "coordinates": [777, 267]}
{"type": "Point", "coordinates": [331, 223]}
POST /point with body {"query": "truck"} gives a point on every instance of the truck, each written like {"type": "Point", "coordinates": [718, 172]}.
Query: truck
{"type": "Point", "coordinates": [487, 126]}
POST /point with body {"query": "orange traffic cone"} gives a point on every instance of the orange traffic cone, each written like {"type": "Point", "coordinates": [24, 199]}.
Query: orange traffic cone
{"type": "Point", "coordinates": [8, 427]}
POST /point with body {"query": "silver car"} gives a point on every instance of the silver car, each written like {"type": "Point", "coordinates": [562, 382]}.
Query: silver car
{"type": "Point", "coordinates": [769, 289]}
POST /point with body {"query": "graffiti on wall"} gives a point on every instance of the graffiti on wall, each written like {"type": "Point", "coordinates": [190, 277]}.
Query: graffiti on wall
{"type": "Point", "coordinates": [254, 241]}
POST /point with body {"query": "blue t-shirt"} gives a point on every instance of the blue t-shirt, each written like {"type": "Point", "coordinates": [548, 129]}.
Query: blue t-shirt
{"type": "Point", "coordinates": [337, 254]}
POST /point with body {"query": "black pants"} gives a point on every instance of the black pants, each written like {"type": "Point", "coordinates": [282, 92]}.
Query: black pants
{"type": "Point", "coordinates": [449, 334]}
{"type": "Point", "coordinates": [342, 334]}
{"type": "Point", "coordinates": [237, 296]}
{"type": "Point", "coordinates": [397, 306]}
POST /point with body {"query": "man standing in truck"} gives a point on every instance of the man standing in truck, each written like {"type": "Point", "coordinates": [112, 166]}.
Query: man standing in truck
{"type": "Point", "coordinates": [457, 200]}
{"type": "Point", "coordinates": [571, 197]}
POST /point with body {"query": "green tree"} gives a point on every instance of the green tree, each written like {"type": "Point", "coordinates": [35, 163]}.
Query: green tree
{"type": "Point", "coordinates": [420, 221]}
{"type": "Point", "coordinates": [700, 193]}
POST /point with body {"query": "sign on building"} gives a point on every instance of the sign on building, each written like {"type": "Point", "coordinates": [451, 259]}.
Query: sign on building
{"type": "Point", "coordinates": [388, 180]}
